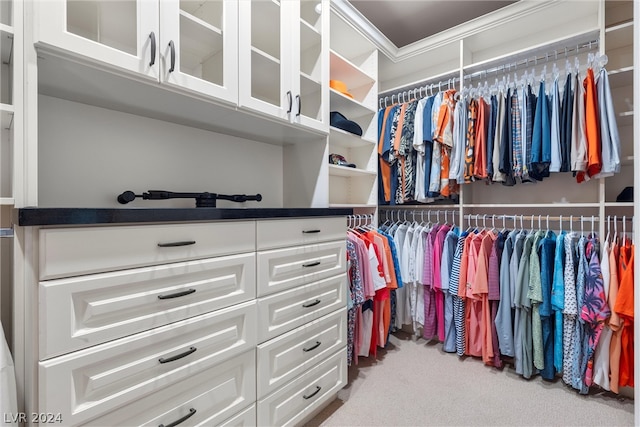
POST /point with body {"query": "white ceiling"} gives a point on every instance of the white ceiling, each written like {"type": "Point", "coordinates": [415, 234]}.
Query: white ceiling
{"type": "Point", "coordinates": [406, 21]}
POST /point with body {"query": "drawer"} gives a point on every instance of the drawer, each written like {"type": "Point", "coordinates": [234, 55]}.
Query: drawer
{"type": "Point", "coordinates": [300, 231]}
{"type": "Point", "coordinates": [283, 358]}
{"type": "Point", "coordinates": [292, 403]}
{"type": "Point", "coordinates": [100, 379]}
{"type": "Point", "coordinates": [282, 269]}
{"type": "Point", "coordinates": [212, 395]}
{"type": "Point", "coordinates": [287, 310]}
{"type": "Point", "coordinates": [73, 251]}
{"type": "Point", "coordinates": [246, 418]}
{"type": "Point", "coordinates": [82, 311]}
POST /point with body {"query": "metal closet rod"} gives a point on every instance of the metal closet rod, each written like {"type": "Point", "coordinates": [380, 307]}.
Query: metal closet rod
{"type": "Point", "coordinates": [405, 95]}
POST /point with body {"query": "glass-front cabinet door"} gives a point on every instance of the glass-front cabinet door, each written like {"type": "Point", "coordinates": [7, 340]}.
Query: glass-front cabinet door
{"type": "Point", "coordinates": [265, 57]}
{"type": "Point", "coordinates": [311, 63]}
{"type": "Point", "coordinates": [122, 33]}
{"type": "Point", "coordinates": [199, 46]}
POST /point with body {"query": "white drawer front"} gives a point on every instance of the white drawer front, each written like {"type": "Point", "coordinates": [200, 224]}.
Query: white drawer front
{"type": "Point", "coordinates": [300, 231]}
{"type": "Point", "coordinates": [79, 312]}
{"type": "Point", "coordinates": [284, 311]}
{"type": "Point", "coordinates": [289, 355]}
{"type": "Point", "coordinates": [215, 394]}
{"type": "Point", "coordinates": [293, 402]}
{"type": "Point", "coordinates": [73, 251]}
{"type": "Point", "coordinates": [246, 418]}
{"type": "Point", "coordinates": [99, 379]}
{"type": "Point", "coordinates": [282, 269]}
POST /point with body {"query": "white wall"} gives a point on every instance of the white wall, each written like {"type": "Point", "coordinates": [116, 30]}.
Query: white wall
{"type": "Point", "coordinates": [89, 155]}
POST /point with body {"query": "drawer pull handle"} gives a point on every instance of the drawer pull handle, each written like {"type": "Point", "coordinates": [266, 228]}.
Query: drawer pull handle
{"type": "Point", "coordinates": [311, 264]}
{"type": "Point", "coordinates": [310, 231]}
{"type": "Point", "coordinates": [309, 396]}
{"type": "Point", "coordinates": [311, 304]}
{"type": "Point", "coordinates": [177, 294]}
{"type": "Point", "coordinates": [174, 244]}
{"type": "Point", "coordinates": [192, 411]}
{"type": "Point", "coordinates": [313, 347]}
{"type": "Point", "coordinates": [176, 357]}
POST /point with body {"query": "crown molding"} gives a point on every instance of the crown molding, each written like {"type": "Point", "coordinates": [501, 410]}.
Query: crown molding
{"type": "Point", "coordinates": [491, 20]}
{"type": "Point", "coordinates": [353, 16]}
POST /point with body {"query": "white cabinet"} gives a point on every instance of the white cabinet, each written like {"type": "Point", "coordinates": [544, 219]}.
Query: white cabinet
{"type": "Point", "coordinates": [189, 44]}
{"type": "Point", "coordinates": [283, 60]}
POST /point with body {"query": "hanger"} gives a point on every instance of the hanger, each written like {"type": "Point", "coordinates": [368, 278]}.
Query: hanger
{"type": "Point", "coordinates": [615, 228]}
{"type": "Point", "coordinates": [608, 228]}
{"type": "Point", "coordinates": [548, 230]}
{"type": "Point", "coordinates": [581, 225]}
{"type": "Point", "coordinates": [624, 230]}
{"type": "Point", "coordinates": [560, 222]}
{"type": "Point", "coordinates": [571, 223]}
{"type": "Point", "coordinates": [592, 221]}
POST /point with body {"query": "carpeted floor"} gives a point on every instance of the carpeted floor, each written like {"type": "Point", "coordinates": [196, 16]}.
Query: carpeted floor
{"type": "Point", "coordinates": [414, 383]}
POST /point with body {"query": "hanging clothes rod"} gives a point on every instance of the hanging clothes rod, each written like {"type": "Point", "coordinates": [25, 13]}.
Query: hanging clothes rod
{"type": "Point", "coordinates": [415, 91]}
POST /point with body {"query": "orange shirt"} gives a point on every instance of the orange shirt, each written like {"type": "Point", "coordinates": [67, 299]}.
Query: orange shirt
{"type": "Point", "coordinates": [624, 307]}
{"type": "Point", "coordinates": [592, 125]}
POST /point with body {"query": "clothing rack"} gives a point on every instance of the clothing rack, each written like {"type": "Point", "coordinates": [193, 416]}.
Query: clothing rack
{"type": "Point", "coordinates": [414, 91]}
{"type": "Point", "coordinates": [359, 220]}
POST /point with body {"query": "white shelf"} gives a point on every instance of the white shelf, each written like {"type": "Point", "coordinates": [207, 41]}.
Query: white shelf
{"type": "Point", "coordinates": [352, 205]}
{"type": "Point", "coordinates": [7, 201]}
{"type": "Point", "coordinates": [349, 107]}
{"type": "Point", "coordinates": [6, 46]}
{"type": "Point", "coordinates": [264, 55]}
{"type": "Point", "coordinates": [619, 204]}
{"type": "Point", "coordinates": [310, 38]}
{"type": "Point", "coordinates": [346, 71]}
{"type": "Point", "coordinates": [265, 25]}
{"type": "Point", "coordinates": [532, 205]}
{"type": "Point", "coordinates": [619, 35]}
{"type": "Point", "coordinates": [621, 77]}
{"type": "Point", "coordinates": [6, 29]}
{"type": "Point", "coordinates": [348, 172]}
{"type": "Point", "coordinates": [199, 40]}
{"type": "Point", "coordinates": [6, 116]}
{"type": "Point", "coordinates": [310, 79]}
{"type": "Point", "coordinates": [342, 138]}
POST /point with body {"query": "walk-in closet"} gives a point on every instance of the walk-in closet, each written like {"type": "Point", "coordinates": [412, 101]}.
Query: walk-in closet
{"type": "Point", "coordinates": [319, 212]}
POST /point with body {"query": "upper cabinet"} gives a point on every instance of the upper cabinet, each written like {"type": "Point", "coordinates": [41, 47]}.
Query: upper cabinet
{"type": "Point", "coordinates": [199, 45]}
{"type": "Point", "coordinates": [283, 60]}
{"type": "Point", "coordinates": [123, 34]}
{"type": "Point", "coordinates": [195, 50]}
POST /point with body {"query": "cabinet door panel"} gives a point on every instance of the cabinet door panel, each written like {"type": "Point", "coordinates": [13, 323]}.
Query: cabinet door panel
{"type": "Point", "coordinates": [75, 251]}
{"type": "Point", "coordinates": [284, 311]}
{"type": "Point", "coordinates": [215, 394]}
{"type": "Point", "coordinates": [102, 378]}
{"type": "Point", "coordinates": [283, 358]}
{"type": "Point", "coordinates": [118, 34]}
{"type": "Point", "coordinates": [204, 39]}
{"type": "Point", "coordinates": [264, 48]}
{"type": "Point", "coordinates": [283, 269]}
{"type": "Point", "coordinates": [83, 311]}
{"type": "Point", "coordinates": [310, 59]}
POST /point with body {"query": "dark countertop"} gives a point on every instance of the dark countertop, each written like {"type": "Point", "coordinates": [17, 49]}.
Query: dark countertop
{"type": "Point", "coordinates": [88, 216]}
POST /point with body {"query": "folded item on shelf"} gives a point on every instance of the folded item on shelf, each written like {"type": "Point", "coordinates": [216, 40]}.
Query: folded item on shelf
{"type": "Point", "coordinates": [340, 86]}
{"type": "Point", "coordinates": [339, 121]}
{"type": "Point", "coordinates": [625, 195]}
{"type": "Point", "coordinates": [337, 159]}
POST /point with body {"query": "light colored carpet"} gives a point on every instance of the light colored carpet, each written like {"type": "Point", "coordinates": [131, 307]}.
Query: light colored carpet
{"type": "Point", "coordinates": [414, 383]}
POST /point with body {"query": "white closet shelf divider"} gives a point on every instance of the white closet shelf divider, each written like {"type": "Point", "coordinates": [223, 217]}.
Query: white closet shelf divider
{"type": "Point", "coordinates": [7, 201]}
{"type": "Point", "coordinates": [336, 170]}
{"type": "Point", "coordinates": [6, 116]}
{"type": "Point", "coordinates": [532, 205]}
{"type": "Point", "coordinates": [342, 69]}
{"type": "Point", "coordinates": [346, 139]}
{"type": "Point", "coordinates": [353, 205]}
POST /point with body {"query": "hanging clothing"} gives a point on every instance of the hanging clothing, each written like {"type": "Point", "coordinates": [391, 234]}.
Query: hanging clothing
{"type": "Point", "coordinates": [592, 126]}
{"type": "Point", "coordinates": [624, 309]}
{"type": "Point", "coordinates": [609, 137]}
{"type": "Point", "coordinates": [566, 125]}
